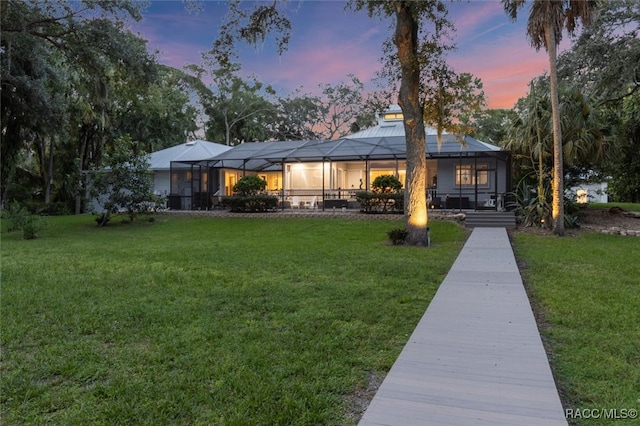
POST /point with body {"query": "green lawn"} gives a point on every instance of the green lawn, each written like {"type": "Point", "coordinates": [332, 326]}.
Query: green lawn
{"type": "Point", "coordinates": [279, 321]}
{"type": "Point", "coordinates": [625, 206]}
{"type": "Point", "coordinates": [207, 320]}
{"type": "Point", "coordinates": [587, 290]}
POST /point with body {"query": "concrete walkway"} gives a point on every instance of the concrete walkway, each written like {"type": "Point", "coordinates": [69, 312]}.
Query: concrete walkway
{"type": "Point", "coordinates": [476, 357]}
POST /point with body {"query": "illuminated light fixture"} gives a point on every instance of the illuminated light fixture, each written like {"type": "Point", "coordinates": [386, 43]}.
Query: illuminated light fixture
{"type": "Point", "coordinates": [418, 219]}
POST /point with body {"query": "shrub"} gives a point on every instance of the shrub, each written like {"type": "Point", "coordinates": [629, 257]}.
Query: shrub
{"type": "Point", "coordinates": [386, 196]}
{"type": "Point", "coordinates": [531, 207]}
{"type": "Point", "coordinates": [373, 202]}
{"type": "Point", "coordinates": [251, 204]}
{"type": "Point", "coordinates": [31, 227]}
{"type": "Point", "coordinates": [249, 185]}
{"type": "Point", "coordinates": [102, 219]}
{"type": "Point", "coordinates": [249, 196]}
{"type": "Point", "coordinates": [571, 212]}
{"type": "Point", "coordinates": [386, 184]}
{"type": "Point", "coordinates": [20, 219]}
{"type": "Point", "coordinates": [125, 183]}
{"type": "Point", "coordinates": [397, 236]}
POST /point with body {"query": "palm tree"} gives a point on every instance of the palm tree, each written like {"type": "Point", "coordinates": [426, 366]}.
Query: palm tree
{"type": "Point", "coordinates": [547, 19]}
{"type": "Point", "coordinates": [530, 137]}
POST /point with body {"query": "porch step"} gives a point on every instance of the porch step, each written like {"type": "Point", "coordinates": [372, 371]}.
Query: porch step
{"type": "Point", "coordinates": [490, 219]}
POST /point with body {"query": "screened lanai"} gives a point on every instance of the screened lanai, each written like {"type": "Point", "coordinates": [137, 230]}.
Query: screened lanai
{"type": "Point", "coordinates": [461, 173]}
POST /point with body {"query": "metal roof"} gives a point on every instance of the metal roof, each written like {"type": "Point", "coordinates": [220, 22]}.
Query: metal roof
{"type": "Point", "coordinates": [253, 155]}
{"type": "Point", "coordinates": [269, 155]}
{"type": "Point", "coordinates": [384, 141]}
{"type": "Point", "coordinates": [189, 152]}
{"type": "Point", "coordinates": [387, 128]}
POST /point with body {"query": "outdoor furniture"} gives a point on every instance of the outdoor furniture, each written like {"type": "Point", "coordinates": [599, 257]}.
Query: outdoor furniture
{"type": "Point", "coordinates": [457, 202]}
{"type": "Point", "coordinates": [335, 203]}
{"type": "Point", "coordinates": [313, 203]}
{"type": "Point", "coordinates": [175, 202]}
{"type": "Point", "coordinates": [436, 203]}
{"type": "Point", "coordinates": [216, 202]}
{"type": "Point", "coordinates": [295, 202]}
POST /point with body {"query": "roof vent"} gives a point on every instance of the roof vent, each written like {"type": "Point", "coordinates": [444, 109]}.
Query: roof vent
{"type": "Point", "coordinates": [191, 143]}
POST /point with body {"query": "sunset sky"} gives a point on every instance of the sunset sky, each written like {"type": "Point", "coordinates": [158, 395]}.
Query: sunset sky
{"type": "Point", "coordinates": [328, 43]}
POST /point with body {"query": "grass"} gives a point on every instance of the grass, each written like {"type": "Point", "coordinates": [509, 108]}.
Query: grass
{"type": "Point", "coordinates": [587, 290]}
{"type": "Point", "coordinates": [207, 320]}
{"type": "Point", "coordinates": [624, 206]}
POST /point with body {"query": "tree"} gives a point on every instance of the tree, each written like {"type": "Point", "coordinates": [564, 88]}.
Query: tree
{"type": "Point", "coordinates": [416, 45]}
{"type": "Point", "coordinates": [341, 109]}
{"type": "Point", "coordinates": [604, 59]}
{"type": "Point", "coordinates": [491, 125]}
{"type": "Point", "coordinates": [73, 80]}
{"type": "Point", "coordinates": [344, 106]}
{"type": "Point", "coordinates": [624, 164]}
{"type": "Point", "coordinates": [125, 183]}
{"type": "Point", "coordinates": [62, 63]}
{"type": "Point", "coordinates": [530, 137]}
{"type": "Point", "coordinates": [159, 114]}
{"type": "Point", "coordinates": [406, 41]}
{"type": "Point", "coordinates": [298, 117]}
{"type": "Point", "coordinates": [236, 108]}
{"type": "Point", "coordinates": [530, 131]}
{"type": "Point", "coordinates": [547, 19]}
{"type": "Point", "coordinates": [450, 99]}
{"type": "Point", "coordinates": [417, 40]}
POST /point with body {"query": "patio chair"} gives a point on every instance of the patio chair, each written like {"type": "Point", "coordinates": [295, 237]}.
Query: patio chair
{"type": "Point", "coordinates": [295, 202]}
{"type": "Point", "coordinates": [216, 201]}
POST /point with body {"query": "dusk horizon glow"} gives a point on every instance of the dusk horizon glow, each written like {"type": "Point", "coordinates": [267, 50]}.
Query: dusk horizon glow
{"type": "Point", "coordinates": [328, 43]}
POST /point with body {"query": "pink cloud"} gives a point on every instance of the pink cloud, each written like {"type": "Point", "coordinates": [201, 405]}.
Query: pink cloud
{"type": "Point", "coordinates": [327, 44]}
{"type": "Point", "coordinates": [505, 64]}
{"type": "Point", "coordinates": [471, 19]}
{"type": "Point", "coordinates": [322, 56]}
{"type": "Point", "coordinates": [178, 55]}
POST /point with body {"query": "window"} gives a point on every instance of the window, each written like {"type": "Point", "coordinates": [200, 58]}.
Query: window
{"type": "Point", "coordinates": [230, 179]}
{"type": "Point", "coordinates": [204, 183]}
{"type": "Point", "coordinates": [401, 175]}
{"type": "Point", "coordinates": [391, 116]}
{"type": "Point", "coordinates": [466, 175]}
{"type": "Point", "coordinates": [272, 179]}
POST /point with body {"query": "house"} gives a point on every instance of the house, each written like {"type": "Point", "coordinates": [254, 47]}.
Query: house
{"type": "Point", "coordinates": [170, 181]}
{"type": "Point", "coordinates": [590, 192]}
{"type": "Point", "coordinates": [462, 173]}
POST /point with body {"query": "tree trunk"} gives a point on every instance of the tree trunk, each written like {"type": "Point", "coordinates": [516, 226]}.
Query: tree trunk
{"type": "Point", "coordinates": [415, 204]}
{"type": "Point", "coordinates": [81, 187]}
{"type": "Point", "coordinates": [557, 206]}
{"type": "Point", "coordinates": [48, 175]}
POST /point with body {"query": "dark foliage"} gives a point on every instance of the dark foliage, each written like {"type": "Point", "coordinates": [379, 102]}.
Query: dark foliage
{"type": "Point", "coordinates": [251, 203]}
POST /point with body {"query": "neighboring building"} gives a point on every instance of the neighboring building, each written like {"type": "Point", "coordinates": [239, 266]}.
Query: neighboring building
{"type": "Point", "coordinates": [463, 173]}
{"type": "Point", "coordinates": [595, 192]}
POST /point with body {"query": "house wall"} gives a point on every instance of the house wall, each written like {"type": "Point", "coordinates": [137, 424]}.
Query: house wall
{"type": "Point", "coordinates": [343, 179]}
{"type": "Point", "coordinates": [441, 175]}
{"type": "Point", "coordinates": [349, 176]}
{"type": "Point", "coordinates": [448, 186]}
{"type": "Point", "coordinates": [161, 182]}
{"type": "Point", "coordinates": [591, 193]}
{"type": "Point", "coordinates": [188, 187]}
